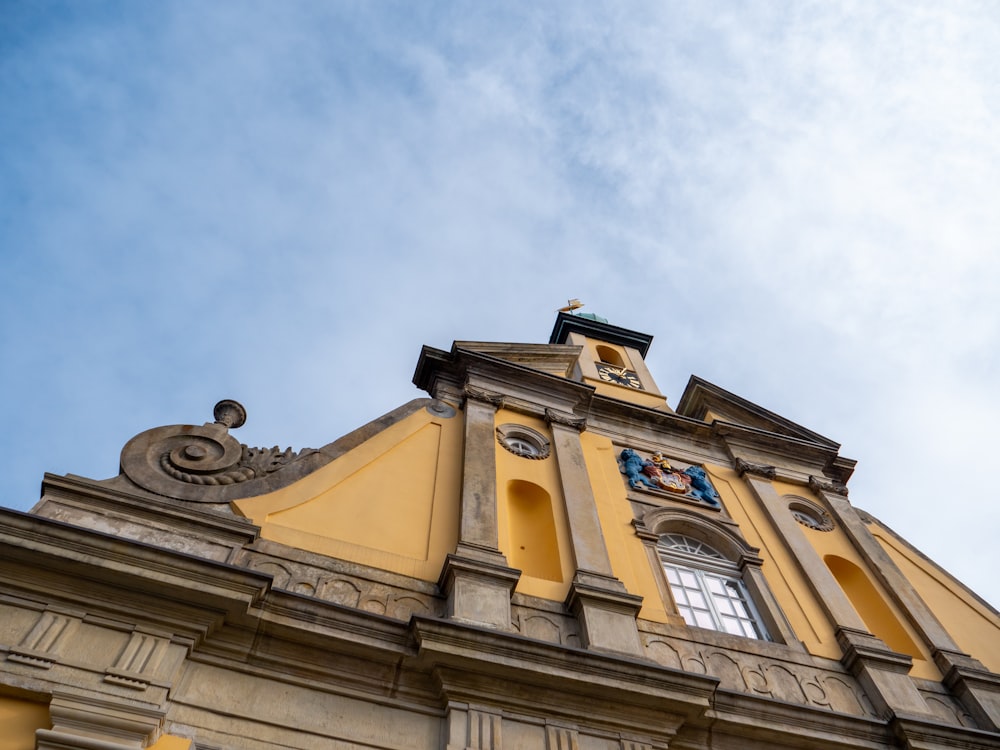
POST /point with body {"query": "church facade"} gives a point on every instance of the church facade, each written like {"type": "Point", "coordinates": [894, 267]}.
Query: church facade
{"type": "Point", "coordinates": [543, 553]}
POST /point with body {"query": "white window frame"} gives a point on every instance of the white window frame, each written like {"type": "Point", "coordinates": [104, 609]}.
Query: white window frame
{"type": "Point", "coordinates": [702, 565]}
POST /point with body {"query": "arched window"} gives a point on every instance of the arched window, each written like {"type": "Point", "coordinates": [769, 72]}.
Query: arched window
{"type": "Point", "coordinates": [610, 356]}
{"type": "Point", "coordinates": [708, 588]}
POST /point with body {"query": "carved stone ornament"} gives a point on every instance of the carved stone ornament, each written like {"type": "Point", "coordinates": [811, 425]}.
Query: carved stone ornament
{"type": "Point", "coordinates": [825, 485]}
{"type": "Point", "coordinates": [658, 475]}
{"type": "Point", "coordinates": [488, 397]}
{"type": "Point", "coordinates": [810, 515]}
{"type": "Point", "coordinates": [566, 420]}
{"type": "Point", "coordinates": [761, 470]}
{"type": "Point", "coordinates": [206, 464]}
{"type": "Point", "coordinates": [523, 441]}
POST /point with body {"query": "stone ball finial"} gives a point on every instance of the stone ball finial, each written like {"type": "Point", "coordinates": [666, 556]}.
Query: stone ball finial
{"type": "Point", "coordinates": [230, 413]}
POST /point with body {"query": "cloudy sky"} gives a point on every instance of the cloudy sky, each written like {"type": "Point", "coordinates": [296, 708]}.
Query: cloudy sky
{"type": "Point", "coordinates": [280, 202]}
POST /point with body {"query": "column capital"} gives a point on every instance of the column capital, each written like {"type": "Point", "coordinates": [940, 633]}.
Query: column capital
{"type": "Point", "coordinates": [821, 485]}
{"type": "Point", "coordinates": [483, 396]}
{"type": "Point", "coordinates": [744, 467]}
{"type": "Point", "coordinates": [562, 419]}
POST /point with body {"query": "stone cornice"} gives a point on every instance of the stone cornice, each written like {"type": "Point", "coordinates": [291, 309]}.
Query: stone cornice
{"type": "Point", "coordinates": [524, 388]}
{"type": "Point", "coordinates": [477, 663]}
{"type": "Point", "coordinates": [118, 496]}
{"type": "Point", "coordinates": [134, 569]}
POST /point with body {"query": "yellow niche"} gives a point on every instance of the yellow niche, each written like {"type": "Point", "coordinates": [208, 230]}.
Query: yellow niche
{"type": "Point", "coordinates": [534, 547]}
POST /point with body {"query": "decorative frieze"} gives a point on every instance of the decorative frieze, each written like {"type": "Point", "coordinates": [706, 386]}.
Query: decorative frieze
{"type": "Point", "coordinates": [137, 662]}
{"type": "Point", "coordinates": [40, 646]}
{"type": "Point", "coordinates": [545, 625]}
{"type": "Point", "coordinates": [484, 731]}
{"type": "Point", "coordinates": [561, 738]}
{"type": "Point", "coordinates": [340, 587]}
{"type": "Point", "coordinates": [754, 674]}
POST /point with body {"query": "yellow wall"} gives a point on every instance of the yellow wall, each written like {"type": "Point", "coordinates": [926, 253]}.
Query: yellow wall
{"type": "Point", "coordinates": [391, 503]}
{"type": "Point", "coordinates": [18, 721]}
{"type": "Point", "coordinates": [973, 625]}
{"type": "Point", "coordinates": [170, 742]}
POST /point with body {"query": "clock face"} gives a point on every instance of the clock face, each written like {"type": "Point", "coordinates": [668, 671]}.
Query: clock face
{"type": "Point", "coordinates": [618, 375]}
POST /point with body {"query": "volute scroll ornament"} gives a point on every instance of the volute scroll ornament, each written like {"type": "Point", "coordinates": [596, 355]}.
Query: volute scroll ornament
{"type": "Point", "coordinates": [206, 464]}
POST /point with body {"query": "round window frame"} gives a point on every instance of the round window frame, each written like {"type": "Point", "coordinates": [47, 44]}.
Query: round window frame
{"type": "Point", "coordinates": [810, 515]}
{"type": "Point", "coordinates": [510, 432]}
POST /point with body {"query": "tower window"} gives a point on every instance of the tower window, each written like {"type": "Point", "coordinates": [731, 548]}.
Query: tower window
{"type": "Point", "coordinates": [610, 356]}
{"type": "Point", "coordinates": [707, 588]}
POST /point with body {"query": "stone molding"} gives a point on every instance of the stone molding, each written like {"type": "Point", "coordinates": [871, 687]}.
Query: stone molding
{"type": "Point", "coordinates": [84, 721]}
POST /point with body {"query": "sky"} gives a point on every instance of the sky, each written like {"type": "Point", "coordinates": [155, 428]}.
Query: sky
{"type": "Point", "coordinates": [280, 203]}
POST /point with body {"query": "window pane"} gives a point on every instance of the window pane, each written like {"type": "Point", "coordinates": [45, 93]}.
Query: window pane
{"type": "Point", "coordinates": [724, 606]}
{"type": "Point", "coordinates": [704, 620]}
{"type": "Point", "coordinates": [732, 625]}
{"type": "Point", "coordinates": [712, 601]}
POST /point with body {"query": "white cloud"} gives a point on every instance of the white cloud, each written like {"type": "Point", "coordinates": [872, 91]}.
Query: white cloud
{"type": "Point", "coordinates": [797, 200]}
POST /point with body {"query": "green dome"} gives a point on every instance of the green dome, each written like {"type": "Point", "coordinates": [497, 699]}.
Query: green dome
{"type": "Point", "coordinates": [592, 316]}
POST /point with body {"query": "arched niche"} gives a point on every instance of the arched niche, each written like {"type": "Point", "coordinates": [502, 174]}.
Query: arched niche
{"type": "Point", "coordinates": [871, 606]}
{"type": "Point", "coordinates": [534, 546]}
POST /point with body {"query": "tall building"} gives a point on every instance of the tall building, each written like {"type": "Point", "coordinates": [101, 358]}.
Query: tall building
{"type": "Point", "coordinates": [542, 554]}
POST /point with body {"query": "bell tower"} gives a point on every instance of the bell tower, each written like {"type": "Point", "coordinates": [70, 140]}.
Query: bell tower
{"type": "Point", "coordinates": [613, 359]}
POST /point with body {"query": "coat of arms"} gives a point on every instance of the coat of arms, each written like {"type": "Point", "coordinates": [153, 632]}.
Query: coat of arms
{"type": "Point", "coordinates": [657, 473]}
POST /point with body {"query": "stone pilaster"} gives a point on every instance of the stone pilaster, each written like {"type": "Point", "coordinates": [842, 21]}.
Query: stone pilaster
{"type": "Point", "coordinates": [476, 580]}
{"type": "Point", "coordinates": [605, 610]}
{"type": "Point", "coordinates": [882, 673]}
{"type": "Point", "coordinates": [973, 685]}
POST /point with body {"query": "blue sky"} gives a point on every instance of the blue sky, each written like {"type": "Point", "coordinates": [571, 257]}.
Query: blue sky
{"type": "Point", "coordinates": [281, 202]}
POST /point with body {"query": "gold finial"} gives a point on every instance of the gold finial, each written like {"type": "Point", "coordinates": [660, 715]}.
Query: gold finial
{"type": "Point", "coordinates": [573, 304]}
